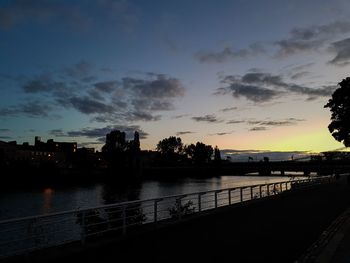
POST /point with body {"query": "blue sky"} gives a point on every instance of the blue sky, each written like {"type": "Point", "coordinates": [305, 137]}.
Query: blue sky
{"type": "Point", "coordinates": [238, 74]}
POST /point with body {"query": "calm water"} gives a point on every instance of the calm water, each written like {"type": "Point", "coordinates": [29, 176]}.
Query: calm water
{"type": "Point", "coordinates": [50, 199]}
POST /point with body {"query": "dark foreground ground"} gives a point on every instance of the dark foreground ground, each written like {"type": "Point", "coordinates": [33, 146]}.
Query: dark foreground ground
{"type": "Point", "coordinates": [278, 229]}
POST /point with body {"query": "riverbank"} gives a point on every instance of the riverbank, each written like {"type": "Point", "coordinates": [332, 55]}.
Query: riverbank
{"type": "Point", "coordinates": [278, 229]}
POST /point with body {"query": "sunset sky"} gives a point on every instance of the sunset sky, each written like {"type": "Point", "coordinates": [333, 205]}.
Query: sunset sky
{"type": "Point", "coordinates": [240, 74]}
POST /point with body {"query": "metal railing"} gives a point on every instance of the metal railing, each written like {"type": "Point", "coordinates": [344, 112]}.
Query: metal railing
{"type": "Point", "coordinates": [23, 235]}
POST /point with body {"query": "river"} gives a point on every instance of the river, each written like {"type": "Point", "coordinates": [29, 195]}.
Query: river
{"type": "Point", "coordinates": [21, 202]}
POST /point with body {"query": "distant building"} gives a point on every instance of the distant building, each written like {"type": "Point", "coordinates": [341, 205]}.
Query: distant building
{"type": "Point", "coordinates": [59, 153]}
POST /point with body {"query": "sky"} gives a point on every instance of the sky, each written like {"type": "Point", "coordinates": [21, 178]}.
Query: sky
{"type": "Point", "coordinates": [244, 75]}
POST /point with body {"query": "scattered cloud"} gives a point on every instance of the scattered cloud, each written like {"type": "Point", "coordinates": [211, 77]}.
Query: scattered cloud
{"type": "Point", "coordinates": [342, 50]}
{"type": "Point", "coordinates": [32, 109]}
{"type": "Point", "coordinates": [264, 87]}
{"type": "Point", "coordinates": [310, 38]}
{"type": "Point", "coordinates": [228, 54]}
{"type": "Point", "coordinates": [100, 133]}
{"type": "Point", "coordinates": [5, 130]}
{"type": "Point", "coordinates": [258, 129]}
{"type": "Point", "coordinates": [123, 100]}
{"type": "Point", "coordinates": [207, 118]}
{"type": "Point", "coordinates": [57, 133]}
{"type": "Point", "coordinates": [221, 133]}
{"type": "Point", "coordinates": [229, 109]}
{"type": "Point", "coordinates": [180, 116]}
{"type": "Point", "coordinates": [71, 15]}
{"type": "Point", "coordinates": [235, 121]}
{"type": "Point", "coordinates": [184, 133]}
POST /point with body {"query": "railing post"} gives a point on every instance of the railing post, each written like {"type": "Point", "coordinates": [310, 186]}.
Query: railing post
{"type": "Point", "coordinates": [179, 213]}
{"type": "Point", "coordinates": [281, 187]}
{"type": "Point", "coordinates": [199, 202]}
{"type": "Point", "coordinates": [216, 199]}
{"type": "Point", "coordinates": [268, 189]}
{"type": "Point", "coordinates": [251, 193]}
{"type": "Point", "coordinates": [241, 193]}
{"type": "Point", "coordinates": [260, 190]}
{"type": "Point", "coordinates": [124, 219]}
{"type": "Point", "coordinates": [229, 196]}
{"type": "Point", "coordinates": [83, 228]}
{"type": "Point", "coordinates": [155, 210]}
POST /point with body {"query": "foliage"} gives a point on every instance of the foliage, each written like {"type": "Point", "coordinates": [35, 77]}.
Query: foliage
{"type": "Point", "coordinates": [170, 146]}
{"type": "Point", "coordinates": [181, 209]}
{"type": "Point", "coordinates": [339, 105]}
{"type": "Point", "coordinates": [199, 153]}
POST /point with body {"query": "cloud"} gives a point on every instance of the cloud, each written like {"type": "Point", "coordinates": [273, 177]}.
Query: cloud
{"type": "Point", "coordinates": [229, 109]}
{"type": "Point", "coordinates": [264, 87]}
{"type": "Point", "coordinates": [57, 133]}
{"type": "Point", "coordinates": [70, 15]}
{"type": "Point", "coordinates": [228, 54]}
{"type": "Point", "coordinates": [234, 121]}
{"type": "Point", "coordinates": [121, 100]}
{"type": "Point", "coordinates": [180, 116]}
{"type": "Point", "coordinates": [342, 50]}
{"type": "Point", "coordinates": [221, 133]}
{"type": "Point", "coordinates": [5, 130]}
{"type": "Point", "coordinates": [100, 133]}
{"type": "Point", "coordinates": [206, 118]}
{"type": "Point", "coordinates": [18, 12]}
{"type": "Point", "coordinates": [310, 38]}
{"type": "Point", "coordinates": [33, 109]}
{"type": "Point", "coordinates": [285, 122]}
{"type": "Point", "coordinates": [258, 129]}
{"type": "Point", "coordinates": [184, 133]}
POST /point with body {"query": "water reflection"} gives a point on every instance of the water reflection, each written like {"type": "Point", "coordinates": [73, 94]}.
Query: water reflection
{"type": "Point", "coordinates": [54, 199]}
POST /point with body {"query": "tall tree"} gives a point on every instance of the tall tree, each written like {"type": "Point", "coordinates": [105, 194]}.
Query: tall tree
{"type": "Point", "coordinates": [199, 153]}
{"type": "Point", "coordinates": [170, 146]}
{"type": "Point", "coordinates": [217, 155]}
{"type": "Point", "coordinates": [339, 105]}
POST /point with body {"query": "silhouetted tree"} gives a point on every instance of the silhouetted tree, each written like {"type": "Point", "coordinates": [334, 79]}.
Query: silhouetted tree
{"type": "Point", "coordinates": [217, 155]}
{"type": "Point", "coordinates": [199, 153]}
{"type": "Point", "coordinates": [170, 146]}
{"type": "Point", "coordinates": [339, 105]}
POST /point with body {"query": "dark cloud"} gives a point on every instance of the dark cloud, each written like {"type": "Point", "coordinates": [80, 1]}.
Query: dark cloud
{"type": "Point", "coordinates": [106, 86]}
{"type": "Point", "coordinates": [5, 137]}
{"type": "Point", "coordinates": [183, 133]}
{"type": "Point", "coordinates": [70, 15]}
{"type": "Point", "coordinates": [33, 109]}
{"type": "Point", "coordinates": [5, 130]}
{"type": "Point", "coordinates": [128, 99]}
{"type": "Point", "coordinates": [221, 133]}
{"type": "Point", "coordinates": [310, 38]}
{"type": "Point", "coordinates": [258, 129]}
{"type": "Point", "coordinates": [228, 54]}
{"type": "Point", "coordinates": [229, 109]}
{"type": "Point", "coordinates": [100, 133]}
{"type": "Point", "coordinates": [88, 105]}
{"type": "Point", "coordinates": [180, 116]}
{"type": "Point", "coordinates": [285, 122]}
{"type": "Point", "coordinates": [299, 75]}
{"type": "Point", "coordinates": [254, 93]}
{"type": "Point", "coordinates": [57, 133]}
{"type": "Point", "coordinates": [342, 50]}
{"type": "Point", "coordinates": [206, 118]}
{"type": "Point", "coordinates": [234, 121]}
{"type": "Point", "coordinates": [17, 12]}
{"type": "Point", "coordinates": [263, 87]}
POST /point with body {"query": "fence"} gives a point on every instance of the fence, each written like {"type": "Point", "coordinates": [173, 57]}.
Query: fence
{"type": "Point", "coordinates": [23, 235]}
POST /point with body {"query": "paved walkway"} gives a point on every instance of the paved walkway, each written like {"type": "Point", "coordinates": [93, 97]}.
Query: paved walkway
{"type": "Point", "coordinates": [333, 245]}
